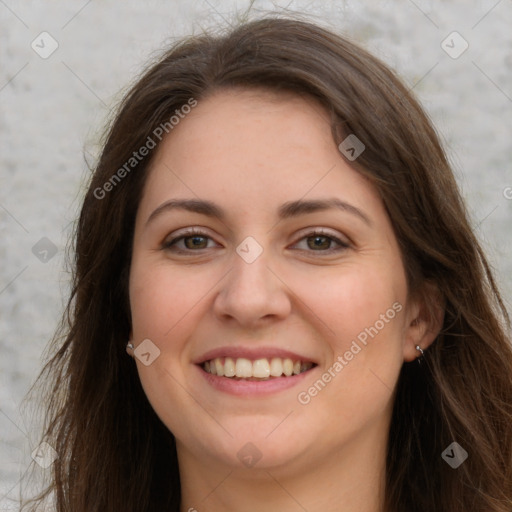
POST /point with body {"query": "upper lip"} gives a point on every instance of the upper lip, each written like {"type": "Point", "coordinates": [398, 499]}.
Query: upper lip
{"type": "Point", "coordinates": [252, 353]}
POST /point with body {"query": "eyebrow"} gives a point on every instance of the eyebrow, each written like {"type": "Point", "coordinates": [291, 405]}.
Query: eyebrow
{"type": "Point", "coordinates": [286, 210]}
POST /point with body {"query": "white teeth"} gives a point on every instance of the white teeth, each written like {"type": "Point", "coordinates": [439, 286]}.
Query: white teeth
{"type": "Point", "coordinates": [276, 367]}
{"type": "Point", "coordinates": [288, 367]}
{"type": "Point", "coordinates": [229, 367]}
{"type": "Point", "coordinates": [244, 368]}
{"type": "Point", "coordinates": [219, 367]}
{"type": "Point", "coordinates": [261, 369]}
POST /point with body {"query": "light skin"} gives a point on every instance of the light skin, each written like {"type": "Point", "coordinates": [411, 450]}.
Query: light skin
{"type": "Point", "coordinates": [249, 152]}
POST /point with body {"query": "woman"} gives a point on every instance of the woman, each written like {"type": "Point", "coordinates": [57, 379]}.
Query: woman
{"type": "Point", "coordinates": [274, 236]}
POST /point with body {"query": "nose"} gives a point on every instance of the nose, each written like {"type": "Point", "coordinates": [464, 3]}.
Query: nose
{"type": "Point", "coordinates": [252, 294]}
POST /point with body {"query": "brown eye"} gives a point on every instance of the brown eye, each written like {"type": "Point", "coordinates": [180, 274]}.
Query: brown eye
{"type": "Point", "coordinates": [189, 241]}
{"type": "Point", "coordinates": [319, 242]}
{"type": "Point", "coordinates": [195, 242]}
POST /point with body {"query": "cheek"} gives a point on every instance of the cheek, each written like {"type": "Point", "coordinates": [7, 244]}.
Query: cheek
{"type": "Point", "coordinates": [162, 304]}
{"type": "Point", "coordinates": [353, 299]}
{"type": "Point", "coordinates": [364, 307]}
{"type": "Point", "coordinates": [161, 298]}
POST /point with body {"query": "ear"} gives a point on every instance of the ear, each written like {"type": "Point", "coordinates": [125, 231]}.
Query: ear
{"type": "Point", "coordinates": [129, 350]}
{"type": "Point", "coordinates": [425, 316]}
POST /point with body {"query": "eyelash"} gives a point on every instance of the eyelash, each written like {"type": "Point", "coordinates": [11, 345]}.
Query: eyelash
{"type": "Point", "coordinates": [167, 245]}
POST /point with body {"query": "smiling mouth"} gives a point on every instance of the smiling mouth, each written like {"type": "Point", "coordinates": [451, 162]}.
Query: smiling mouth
{"type": "Point", "coordinates": [257, 370]}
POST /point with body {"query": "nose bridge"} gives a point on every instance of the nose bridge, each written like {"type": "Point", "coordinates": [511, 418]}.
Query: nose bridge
{"type": "Point", "coordinates": [252, 272]}
{"type": "Point", "coordinates": [251, 291]}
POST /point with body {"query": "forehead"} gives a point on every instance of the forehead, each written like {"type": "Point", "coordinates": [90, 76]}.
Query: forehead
{"type": "Point", "coordinates": [253, 147]}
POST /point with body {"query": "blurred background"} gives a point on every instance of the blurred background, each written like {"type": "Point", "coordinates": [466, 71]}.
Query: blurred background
{"type": "Point", "coordinates": [64, 65]}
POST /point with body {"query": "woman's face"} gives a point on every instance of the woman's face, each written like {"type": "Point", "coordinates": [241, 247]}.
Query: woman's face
{"type": "Point", "coordinates": [292, 266]}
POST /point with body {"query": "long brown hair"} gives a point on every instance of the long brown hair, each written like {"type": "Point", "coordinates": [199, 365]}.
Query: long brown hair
{"type": "Point", "coordinates": [114, 452]}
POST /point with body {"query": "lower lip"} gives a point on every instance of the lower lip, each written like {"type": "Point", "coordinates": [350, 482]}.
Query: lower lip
{"type": "Point", "coordinates": [251, 387]}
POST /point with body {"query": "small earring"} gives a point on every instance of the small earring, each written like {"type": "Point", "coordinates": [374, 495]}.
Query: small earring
{"type": "Point", "coordinates": [419, 349]}
{"type": "Point", "coordinates": [130, 345]}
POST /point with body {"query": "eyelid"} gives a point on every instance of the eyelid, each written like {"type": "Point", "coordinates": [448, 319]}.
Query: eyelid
{"type": "Point", "coordinates": [312, 230]}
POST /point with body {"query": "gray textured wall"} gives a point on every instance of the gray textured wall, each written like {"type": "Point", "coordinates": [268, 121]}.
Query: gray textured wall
{"type": "Point", "coordinates": [52, 108]}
